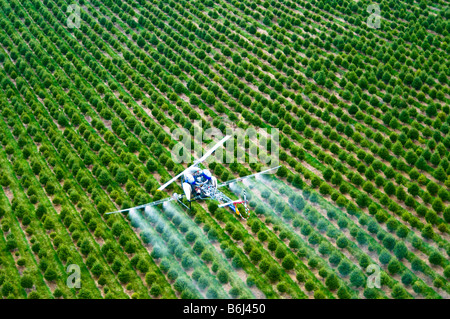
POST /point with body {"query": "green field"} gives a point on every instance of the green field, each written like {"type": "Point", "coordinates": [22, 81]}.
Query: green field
{"type": "Point", "coordinates": [87, 115]}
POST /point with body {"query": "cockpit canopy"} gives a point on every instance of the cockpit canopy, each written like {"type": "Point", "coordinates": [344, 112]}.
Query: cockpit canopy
{"type": "Point", "coordinates": [207, 174]}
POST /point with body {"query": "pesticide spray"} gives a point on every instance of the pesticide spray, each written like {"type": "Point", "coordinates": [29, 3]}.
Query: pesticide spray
{"type": "Point", "coordinates": [143, 221]}
{"type": "Point", "coordinates": [177, 212]}
{"type": "Point", "coordinates": [144, 227]}
{"type": "Point", "coordinates": [176, 245]}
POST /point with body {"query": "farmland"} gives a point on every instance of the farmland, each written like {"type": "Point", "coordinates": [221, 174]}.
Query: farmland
{"type": "Point", "coordinates": [87, 115]}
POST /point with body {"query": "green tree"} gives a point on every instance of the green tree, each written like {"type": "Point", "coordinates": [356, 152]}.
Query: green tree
{"type": "Point", "coordinates": [357, 278]}
{"type": "Point", "coordinates": [398, 292]}
{"type": "Point", "coordinates": [332, 282]}
{"type": "Point", "coordinates": [273, 273]}
{"type": "Point", "coordinates": [343, 293]}
{"type": "Point", "coordinates": [389, 188]}
{"type": "Point", "coordinates": [440, 174]}
{"type": "Point", "coordinates": [26, 282]}
{"type": "Point", "coordinates": [288, 263]}
{"type": "Point", "coordinates": [223, 276]}
{"type": "Point", "coordinates": [436, 258]}
{"type": "Point", "coordinates": [150, 278]}
{"type": "Point", "coordinates": [121, 176]}
{"type": "Point", "coordinates": [394, 266]}
{"type": "Point", "coordinates": [50, 274]}
{"type": "Point", "coordinates": [124, 276]}
{"type": "Point", "coordinates": [397, 149]}
{"type": "Point", "coordinates": [400, 250]}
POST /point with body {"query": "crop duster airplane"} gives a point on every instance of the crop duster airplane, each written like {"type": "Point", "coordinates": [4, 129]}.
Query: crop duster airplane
{"type": "Point", "coordinates": [199, 184]}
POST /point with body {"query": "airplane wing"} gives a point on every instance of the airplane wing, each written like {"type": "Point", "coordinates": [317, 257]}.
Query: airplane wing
{"type": "Point", "coordinates": [196, 162]}
{"type": "Point", "coordinates": [168, 199]}
{"type": "Point", "coordinates": [248, 176]}
{"type": "Point", "coordinates": [173, 179]}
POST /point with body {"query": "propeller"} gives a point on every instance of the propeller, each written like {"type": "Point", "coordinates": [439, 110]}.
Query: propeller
{"type": "Point", "coordinates": [168, 199]}
{"type": "Point", "coordinates": [196, 162]}
{"type": "Point", "coordinates": [173, 179]}
{"type": "Point", "coordinates": [248, 176]}
{"type": "Point", "coordinates": [207, 154]}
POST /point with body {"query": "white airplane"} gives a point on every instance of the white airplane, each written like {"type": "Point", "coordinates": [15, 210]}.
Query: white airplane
{"type": "Point", "coordinates": [199, 184]}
